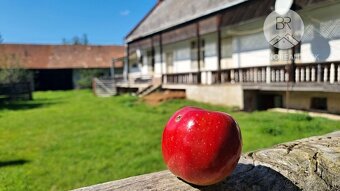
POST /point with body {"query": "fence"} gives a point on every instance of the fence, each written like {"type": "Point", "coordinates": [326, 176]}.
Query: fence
{"type": "Point", "coordinates": [104, 87]}
{"type": "Point", "coordinates": [16, 91]}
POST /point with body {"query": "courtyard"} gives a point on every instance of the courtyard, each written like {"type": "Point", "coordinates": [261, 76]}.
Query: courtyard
{"type": "Point", "coordinates": [69, 139]}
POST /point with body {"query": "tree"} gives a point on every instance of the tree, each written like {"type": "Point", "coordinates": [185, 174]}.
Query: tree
{"type": "Point", "coordinates": [11, 70]}
{"type": "Point", "coordinates": [76, 40]}
{"type": "Point", "coordinates": [85, 39]}
{"type": "Point", "coordinates": [85, 77]}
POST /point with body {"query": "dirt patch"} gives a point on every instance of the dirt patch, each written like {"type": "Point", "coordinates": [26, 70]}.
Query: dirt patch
{"type": "Point", "coordinates": [157, 98]}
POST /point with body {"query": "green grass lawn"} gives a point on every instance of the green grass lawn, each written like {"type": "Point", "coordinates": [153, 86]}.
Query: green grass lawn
{"type": "Point", "coordinates": [66, 140]}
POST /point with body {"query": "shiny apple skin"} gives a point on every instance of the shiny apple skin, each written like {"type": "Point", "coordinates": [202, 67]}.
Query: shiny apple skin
{"type": "Point", "coordinates": [201, 147]}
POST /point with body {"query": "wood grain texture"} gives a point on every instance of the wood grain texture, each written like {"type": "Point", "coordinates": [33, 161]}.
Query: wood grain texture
{"type": "Point", "coordinates": [307, 164]}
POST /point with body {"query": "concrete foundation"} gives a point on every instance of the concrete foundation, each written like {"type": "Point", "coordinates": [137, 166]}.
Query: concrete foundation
{"type": "Point", "coordinates": [228, 95]}
{"type": "Point", "coordinates": [302, 100]}
{"type": "Point", "coordinates": [234, 95]}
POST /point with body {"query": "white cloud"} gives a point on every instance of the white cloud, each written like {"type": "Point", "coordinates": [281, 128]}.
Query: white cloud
{"type": "Point", "coordinates": [125, 13]}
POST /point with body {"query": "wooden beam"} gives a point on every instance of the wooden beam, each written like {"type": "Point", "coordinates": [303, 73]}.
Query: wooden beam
{"type": "Point", "coordinates": [293, 64]}
{"type": "Point", "coordinates": [152, 55]}
{"type": "Point", "coordinates": [128, 62]}
{"type": "Point", "coordinates": [198, 37]}
{"type": "Point", "coordinates": [307, 164]}
{"type": "Point", "coordinates": [219, 48]}
{"type": "Point", "coordinates": [161, 50]}
{"type": "Point", "coordinates": [292, 67]}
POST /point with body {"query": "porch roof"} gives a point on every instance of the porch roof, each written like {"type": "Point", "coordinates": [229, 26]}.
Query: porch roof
{"type": "Point", "coordinates": [169, 13]}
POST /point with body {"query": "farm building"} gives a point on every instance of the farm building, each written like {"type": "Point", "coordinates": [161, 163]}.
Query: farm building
{"type": "Point", "coordinates": [62, 67]}
{"type": "Point", "coordinates": [216, 52]}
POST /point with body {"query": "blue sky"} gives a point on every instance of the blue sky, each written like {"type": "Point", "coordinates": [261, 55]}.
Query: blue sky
{"type": "Point", "coordinates": [49, 21]}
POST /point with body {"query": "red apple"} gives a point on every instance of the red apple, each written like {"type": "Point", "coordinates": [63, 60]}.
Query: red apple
{"type": "Point", "coordinates": [201, 147]}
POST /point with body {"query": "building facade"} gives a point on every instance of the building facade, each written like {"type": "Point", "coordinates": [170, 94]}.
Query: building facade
{"type": "Point", "coordinates": [217, 52]}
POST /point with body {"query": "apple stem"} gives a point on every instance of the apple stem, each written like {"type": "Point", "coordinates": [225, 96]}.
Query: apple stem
{"type": "Point", "coordinates": [178, 118]}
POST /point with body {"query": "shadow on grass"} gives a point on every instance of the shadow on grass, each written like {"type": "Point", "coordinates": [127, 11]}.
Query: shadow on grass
{"type": "Point", "coordinates": [23, 105]}
{"type": "Point", "coordinates": [250, 177]}
{"type": "Point", "coordinates": [13, 163]}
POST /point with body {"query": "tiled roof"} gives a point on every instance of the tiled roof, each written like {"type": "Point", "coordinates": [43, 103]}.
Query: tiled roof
{"type": "Point", "coordinates": [170, 13]}
{"type": "Point", "coordinates": [62, 56]}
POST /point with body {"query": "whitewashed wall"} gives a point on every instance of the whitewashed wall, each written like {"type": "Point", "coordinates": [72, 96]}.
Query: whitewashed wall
{"type": "Point", "coordinates": [133, 62]}
{"type": "Point", "coordinates": [145, 67]}
{"type": "Point", "coordinates": [244, 48]}
{"type": "Point", "coordinates": [321, 40]}
{"type": "Point", "coordinates": [180, 56]}
{"type": "Point", "coordinates": [141, 67]}
{"type": "Point", "coordinates": [182, 62]}
{"type": "Point", "coordinates": [227, 53]}
{"type": "Point", "coordinates": [158, 65]}
{"type": "Point", "coordinates": [211, 59]}
{"type": "Point", "coordinates": [250, 50]}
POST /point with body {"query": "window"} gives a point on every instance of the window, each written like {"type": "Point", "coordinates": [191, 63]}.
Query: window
{"type": "Point", "coordinates": [169, 62]}
{"type": "Point", "coordinates": [193, 55]}
{"type": "Point", "coordinates": [149, 60]}
{"type": "Point", "coordinates": [202, 53]}
{"type": "Point", "coordinates": [227, 48]}
{"type": "Point", "coordinates": [319, 103]}
{"type": "Point", "coordinates": [193, 52]}
{"type": "Point", "coordinates": [149, 57]}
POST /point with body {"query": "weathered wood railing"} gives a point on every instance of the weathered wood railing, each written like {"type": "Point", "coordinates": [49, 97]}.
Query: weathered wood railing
{"type": "Point", "coordinates": [104, 87]}
{"type": "Point", "coordinates": [304, 73]}
{"type": "Point", "coordinates": [307, 164]}
{"type": "Point", "coordinates": [181, 78]}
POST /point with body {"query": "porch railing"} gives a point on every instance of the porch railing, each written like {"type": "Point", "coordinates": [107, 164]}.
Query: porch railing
{"type": "Point", "coordinates": [303, 73]}
{"type": "Point", "coordinates": [104, 87]}
{"type": "Point", "coordinates": [181, 78]}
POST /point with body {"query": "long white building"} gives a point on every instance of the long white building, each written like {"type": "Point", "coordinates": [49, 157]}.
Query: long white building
{"type": "Point", "coordinates": [216, 51]}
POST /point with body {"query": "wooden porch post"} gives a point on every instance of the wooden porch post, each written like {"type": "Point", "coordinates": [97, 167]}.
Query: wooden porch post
{"type": "Point", "coordinates": [112, 69]}
{"type": "Point", "coordinates": [219, 48]}
{"type": "Point", "coordinates": [128, 62]}
{"type": "Point", "coordinates": [161, 54]}
{"type": "Point", "coordinates": [152, 55]}
{"type": "Point", "coordinates": [198, 52]}
{"type": "Point", "coordinates": [292, 67]}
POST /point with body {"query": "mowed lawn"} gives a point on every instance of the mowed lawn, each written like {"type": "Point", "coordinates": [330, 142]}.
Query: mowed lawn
{"type": "Point", "coordinates": [67, 140]}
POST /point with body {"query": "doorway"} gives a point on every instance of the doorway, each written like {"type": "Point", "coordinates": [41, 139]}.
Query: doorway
{"type": "Point", "coordinates": [54, 79]}
{"type": "Point", "coordinates": [267, 101]}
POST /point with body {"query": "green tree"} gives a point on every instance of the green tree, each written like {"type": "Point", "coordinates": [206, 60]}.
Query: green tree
{"type": "Point", "coordinates": [85, 77]}
{"type": "Point", "coordinates": [85, 39]}
{"type": "Point", "coordinates": [11, 70]}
